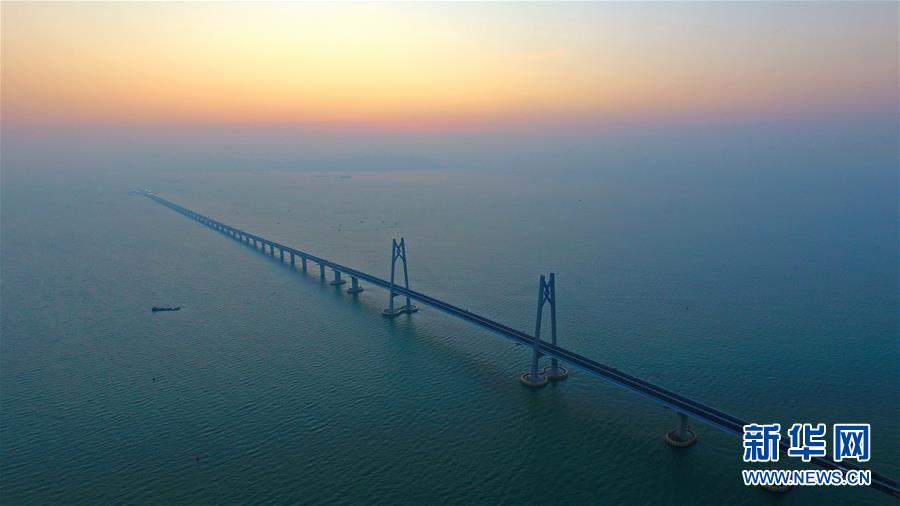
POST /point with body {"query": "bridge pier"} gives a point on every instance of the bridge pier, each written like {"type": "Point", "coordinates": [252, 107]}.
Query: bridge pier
{"type": "Point", "coordinates": [303, 263]}
{"type": "Point", "coordinates": [271, 250]}
{"type": "Point", "coordinates": [354, 285]}
{"type": "Point", "coordinates": [683, 435]}
{"type": "Point", "coordinates": [321, 271]}
{"type": "Point", "coordinates": [554, 372]}
{"type": "Point", "coordinates": [533, 378]}
{"type": "Point", "coordinates": [398, 250]}
{"type": "Point", "coordinates": [337, 281]}
{"type": "Point", "coordinates": [281, 255]}
{"type": "Point", "coordinates": [292, 259]}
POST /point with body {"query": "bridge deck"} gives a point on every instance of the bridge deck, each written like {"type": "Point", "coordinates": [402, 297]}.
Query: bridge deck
{"type": "Point", "coordinates": [672, 400]}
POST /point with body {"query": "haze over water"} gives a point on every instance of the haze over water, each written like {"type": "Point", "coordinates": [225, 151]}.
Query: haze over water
{"type": "Point", "coordinates": [745, 256]}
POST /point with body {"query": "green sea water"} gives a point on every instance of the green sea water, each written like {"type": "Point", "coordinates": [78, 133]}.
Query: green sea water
{"type": "Point", "coordinates": [771, 295]}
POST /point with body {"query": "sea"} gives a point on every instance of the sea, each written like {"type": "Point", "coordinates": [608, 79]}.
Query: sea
{"type": "Point", "coordinates": [770, 294]}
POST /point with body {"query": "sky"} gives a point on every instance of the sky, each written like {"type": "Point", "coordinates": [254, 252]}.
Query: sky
{"type": "Point", "coordinates": [336, 72]}
{"type": "Point", "coordinates": [433, 64]}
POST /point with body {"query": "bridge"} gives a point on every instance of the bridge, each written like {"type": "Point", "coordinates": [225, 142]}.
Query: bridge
{"type": "Point", "coordinates": [685, 408]}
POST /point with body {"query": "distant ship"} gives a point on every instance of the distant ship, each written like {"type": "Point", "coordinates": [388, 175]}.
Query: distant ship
{"type": "Point", "coordinates": [157, 309]}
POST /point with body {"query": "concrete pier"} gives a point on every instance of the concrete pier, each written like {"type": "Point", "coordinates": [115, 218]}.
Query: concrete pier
{"type": "Point", "coordinates": [683, 435]}
{"type": "Point", "coordinates": [337, 278]}
{"type": "Point", "coordinates": [554, 371]}
{"type": "Point", "coordinates": [535, 381]}
{"type": "Point", "coordinates": [398, 252]}
{"type": "Point", "coordinates": [354, 285]}
{"type": "Point", "coordinates": [535, 378]}
{"type": "Point", "coordinates": [397, 311]}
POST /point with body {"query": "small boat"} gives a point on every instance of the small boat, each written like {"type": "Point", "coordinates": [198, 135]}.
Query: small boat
{"type": "Point", "coordinates": [157, 309]}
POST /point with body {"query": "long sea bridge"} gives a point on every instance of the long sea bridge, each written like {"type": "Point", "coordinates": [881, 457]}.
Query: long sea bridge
{"type": "Point", "coordinates": [685, 408]}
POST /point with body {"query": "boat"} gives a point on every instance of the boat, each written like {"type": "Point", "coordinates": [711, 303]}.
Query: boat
{"type": "Point", "coordinates": [157, 309]}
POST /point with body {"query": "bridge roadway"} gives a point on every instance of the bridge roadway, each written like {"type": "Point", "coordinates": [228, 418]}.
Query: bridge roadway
{"type": "Point", "coordinates": [667, 398]}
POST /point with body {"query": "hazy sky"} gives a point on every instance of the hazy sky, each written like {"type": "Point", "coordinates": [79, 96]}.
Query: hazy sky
{"type": "Point", "coordinates": [441, 64]}
{"type": "Point", "coordinates": [405, 69]}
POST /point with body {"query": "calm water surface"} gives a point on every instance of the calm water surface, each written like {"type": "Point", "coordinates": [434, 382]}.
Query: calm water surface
{"type": "Point", "coordinates": [771, 297]}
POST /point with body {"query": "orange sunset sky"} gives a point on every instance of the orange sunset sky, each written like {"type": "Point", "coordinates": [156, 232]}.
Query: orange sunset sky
{"type": "Point", "coordinates": [441, 64]}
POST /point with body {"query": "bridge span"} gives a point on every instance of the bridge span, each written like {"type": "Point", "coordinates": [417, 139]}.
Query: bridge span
{"type": "Point", "coordinates": [685, 408]}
